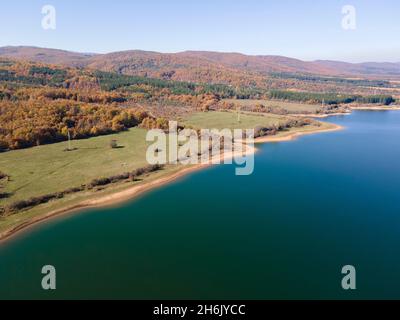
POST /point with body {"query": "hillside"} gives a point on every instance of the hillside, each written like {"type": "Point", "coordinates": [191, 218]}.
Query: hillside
{"type": "Point", "coordinates": [178, 67]}
{"type": "Point", "coordinates": [44, 55]}
{"type": "Point", "coordinates": [372, 69]}
{"type": "Point", "coordinates": [201, 66]}
{"type": "Point", "coordinates": [259, 64]}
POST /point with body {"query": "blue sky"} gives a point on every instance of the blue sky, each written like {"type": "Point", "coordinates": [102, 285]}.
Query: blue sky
{"type": "Point", "coordinates": [302, 29]}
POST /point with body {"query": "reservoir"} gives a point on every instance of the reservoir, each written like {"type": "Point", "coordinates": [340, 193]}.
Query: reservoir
{"type": "Point", "coordinates": [311, 206]}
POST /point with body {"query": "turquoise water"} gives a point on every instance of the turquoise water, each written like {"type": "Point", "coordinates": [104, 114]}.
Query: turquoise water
{"type": "Point", "coordinates": [311, 207]}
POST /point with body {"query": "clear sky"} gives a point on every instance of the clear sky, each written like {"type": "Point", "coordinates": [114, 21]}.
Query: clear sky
{"type": "Point", "coordinates": [305, 29]}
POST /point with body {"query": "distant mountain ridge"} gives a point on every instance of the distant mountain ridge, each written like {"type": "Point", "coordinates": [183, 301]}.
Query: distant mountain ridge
{"type": "Point", "coordinates": [44, 55]}
{"type": "Point", "coordinates": [201, 66]}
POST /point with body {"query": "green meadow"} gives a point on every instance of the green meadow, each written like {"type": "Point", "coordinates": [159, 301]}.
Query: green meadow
{"type": "Point", "coordinates": [231, 120]}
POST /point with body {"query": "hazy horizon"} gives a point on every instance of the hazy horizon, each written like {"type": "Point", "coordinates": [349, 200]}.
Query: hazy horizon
{"type": "Point", "coordinates": [303, 30]}
{"type": "Point", "coordinates": [191, 50]}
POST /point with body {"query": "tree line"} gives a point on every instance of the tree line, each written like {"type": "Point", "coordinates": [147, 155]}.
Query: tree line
{"type": "Point", "coordinates": [329, 98]}
{"type": "Point", "coordinates": [315, 78]}
{"type": "Point", "coordinates": [26, 124]}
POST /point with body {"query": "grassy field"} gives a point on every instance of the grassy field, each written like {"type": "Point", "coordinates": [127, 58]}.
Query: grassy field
{"type": "Point", "coordinates": [46, 169]}
{"type": "Point", "coordinates": [221, 120]}
{"type": "Point", "coordinates": [291, 107]}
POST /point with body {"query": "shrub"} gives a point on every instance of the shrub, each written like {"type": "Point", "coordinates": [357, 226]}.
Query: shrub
{"type": "Point", "coordinates": [3, 146]}
{"type": "Point", "coordinates": [4, 195]}
{"type": "Point", "coordinates": [139, 172]}
{"type": "Point", "coordinates": [23, 204]}
{"type": "Point", "coordinates": [99, 182]}
{"type": "Point", "coordinates": [259, 131]}
{"type": "Point", "coordinates": [142, 171]}
{"type": "Point", "coordinates": [113, 144]}
{"type": "Point", "coordinates": [74, 190]}
{"type": "Point", "coordinates": [18, 205]}
{"type": "Point", "coordinates": [105, 181]}
{"type": "Point", "coordinates": [119, 177]}
{"type": "Point", "coordinates": [154, 167]}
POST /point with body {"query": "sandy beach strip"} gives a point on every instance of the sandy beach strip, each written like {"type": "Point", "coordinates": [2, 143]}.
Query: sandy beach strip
{"type": "Point", "coordinates": [381, 108]}
{"type": "Point", "coordinates": [294, 135]}
{"type": "Point", "coordinates": [324, 115]}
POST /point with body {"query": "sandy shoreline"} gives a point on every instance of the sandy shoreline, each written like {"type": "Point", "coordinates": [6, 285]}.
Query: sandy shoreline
{"type": "Point", "coordinates": [376, 108]}
{"type": "Point", "coordinates": [135, 191]}
{"type": "Point", "coordinates": [362, 108]}
{"type": "Point", "coordinates": [315, 115]}
{"type": "Point", "coordinates": [295, 135]}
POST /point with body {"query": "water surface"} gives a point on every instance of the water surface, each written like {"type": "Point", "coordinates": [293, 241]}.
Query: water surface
{"type": "Point", "coordinates": [312, 206]}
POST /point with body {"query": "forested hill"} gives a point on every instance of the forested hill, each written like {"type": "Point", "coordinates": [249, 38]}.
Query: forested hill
{"type": "Point", "coordinates": [42, 103]}
{"type": "Point", "coordinates": [201, 66]}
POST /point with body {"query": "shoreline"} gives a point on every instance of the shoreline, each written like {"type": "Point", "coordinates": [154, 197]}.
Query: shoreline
{"type": "Point", "coordinates": [294, 135]}
{"type": "Point", "coordinates": [135, 191]}
{"type": "Point", "coordinates": [387, 108]}
{"type": "Point", "coordinates": [352, 108]}
{"type": "Point", "coordinates": [321, 116]}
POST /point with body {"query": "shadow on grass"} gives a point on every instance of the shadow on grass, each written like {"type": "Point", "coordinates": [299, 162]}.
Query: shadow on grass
{"type": "Point", "coordinates": [5, 195]}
